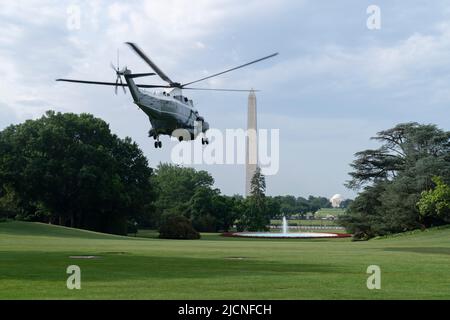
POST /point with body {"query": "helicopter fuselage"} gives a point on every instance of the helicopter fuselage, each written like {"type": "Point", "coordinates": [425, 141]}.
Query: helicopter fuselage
{"type": "Point", "coordinates": [167, 111]}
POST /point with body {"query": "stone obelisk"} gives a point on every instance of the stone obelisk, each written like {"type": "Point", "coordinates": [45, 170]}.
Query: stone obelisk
{"type": "Point", "coordinates": [251, 147]}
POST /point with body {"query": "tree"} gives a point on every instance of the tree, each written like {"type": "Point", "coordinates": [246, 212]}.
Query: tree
{"type": "Point", "coordinates": [363, 218]}
{"type": "Point", "coordinates": [273, 207]}
{"type": "Point", "coordinates": [201, 210]}
{"type": "Point", "coordinates": [402, 146]}
{"type": "Point", "coordinates": [175, 226]}
{"type": "Point", "coordinates": [288, 205]}
{"type": "Point", "coordinates": [316, 203]}
{"type": "Point", "coordinates": [434, 204]}
{"type": "Point", "coordinates": [8, 204]}
{"type": "Point", "coordinates": [302, 205]}
{"type": "Point", "coordinates": [71, 170]}
{"type": "Point", "coordinates": [256, 216]}
{"type": "Point", "coordinates": [345, 203]}
{"type": "Point", "coordinates": [175, 187]}
{"type": "Point", "coordinates": [394, 177]}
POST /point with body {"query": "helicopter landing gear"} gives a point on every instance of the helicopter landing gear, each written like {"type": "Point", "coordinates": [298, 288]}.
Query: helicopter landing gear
{"type": "Point", "coordinates": [158, 144]}
{"type": "Point", "coordinates": [205, 141]}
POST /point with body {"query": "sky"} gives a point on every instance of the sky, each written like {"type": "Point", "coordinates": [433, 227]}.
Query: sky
{"type": "Point", "coordinates": [334, 84]}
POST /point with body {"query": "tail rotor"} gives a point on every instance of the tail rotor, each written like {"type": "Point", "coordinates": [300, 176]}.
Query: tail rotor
{"type": "Point", "coordinates": [119, 74]}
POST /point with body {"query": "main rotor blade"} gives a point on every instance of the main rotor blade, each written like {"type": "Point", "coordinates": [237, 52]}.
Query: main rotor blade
{"type": "Point", "coordinates": [114, 84]}
{"type": "Point", "coordinates": [137, 75]}
{"type": "Point", "coordinates": [149, 62]}
{"type": "Point", "coordinates": [92, 82]}
{"type": "Point", "coordinates": [152, 86]}
{"type": "Point", "coordinates": [238, 67]}
{"type": "Point", "coordinates": [214, 89]}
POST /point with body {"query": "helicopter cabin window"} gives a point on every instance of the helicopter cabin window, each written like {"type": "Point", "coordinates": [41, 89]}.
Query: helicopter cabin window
{"type": "Point", "coordinates": [182, 99]}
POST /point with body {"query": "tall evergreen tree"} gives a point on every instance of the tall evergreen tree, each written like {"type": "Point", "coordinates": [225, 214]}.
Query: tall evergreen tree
{"type": "Point", "coordinates": [256, 216]}
{"type": "Point", "coordinates": [394, 176]}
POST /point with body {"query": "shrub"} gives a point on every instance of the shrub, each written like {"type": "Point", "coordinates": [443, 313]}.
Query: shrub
{"type": "Point", "coordinates": [205, 223]}
{"type": "Point", "coordinates": [175, 226]}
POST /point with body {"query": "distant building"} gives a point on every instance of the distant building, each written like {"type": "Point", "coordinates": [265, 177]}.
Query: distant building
{"type": "Point", "coordinates": [251, 146]}
{"type": "Point", "coordinates": [336, 200]}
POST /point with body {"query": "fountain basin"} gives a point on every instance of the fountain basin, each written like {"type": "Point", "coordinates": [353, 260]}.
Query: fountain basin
{"type": "Point", "coordinates": [289, 235]}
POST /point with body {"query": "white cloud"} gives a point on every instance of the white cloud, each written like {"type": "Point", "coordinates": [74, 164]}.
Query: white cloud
{"type": "Point", "coordinates": [420, 61]}
{"type": "Point", "coordinates": [187, 39]}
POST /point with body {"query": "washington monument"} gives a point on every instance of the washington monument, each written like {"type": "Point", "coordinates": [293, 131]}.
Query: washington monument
{"type": "Point", "coordinates": [251, 146]}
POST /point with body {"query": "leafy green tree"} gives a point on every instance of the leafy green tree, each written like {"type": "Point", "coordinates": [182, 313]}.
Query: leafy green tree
{"type": "Point", "coordinates": [185, 191]}
{"type": "Point", "coordinates": [316, 203]}
{"type": "Point", "coordinates": [288, 205]}
{"type": "Point", "coordinates": [8, 204]}
{"type": "Point", "coordinates": [176, 186]}
{"type": "Point", "coordinates": [273, 207]}
{"type": "Point", "coordinates": [302, 205]}
{"type": "Point", "coordinates": [71, 170]}
{"type": "Point", "coordinates": [201, 210]}
{"type": "Point", "coordinates": [434, 205]}
{"type": "Point", "coordinates": [345, 203]}
{"type": "Point", "coordinates": [226, 211]}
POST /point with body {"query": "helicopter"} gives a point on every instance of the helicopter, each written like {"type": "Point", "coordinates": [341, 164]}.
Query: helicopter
{"type": "Point", "coordinates": [168, 110]}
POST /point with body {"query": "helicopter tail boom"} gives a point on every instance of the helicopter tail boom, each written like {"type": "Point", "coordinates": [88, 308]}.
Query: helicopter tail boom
{"type": "Point", "coordinates": [134, 90]}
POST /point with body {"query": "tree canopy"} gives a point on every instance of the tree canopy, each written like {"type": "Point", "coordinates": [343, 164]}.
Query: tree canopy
{"type": "Point", "coordinates": [70, 169]}
{"type": "Point", "coordinates": [435, 203]}
{"type": "Point", "coordinates": [393, 178]}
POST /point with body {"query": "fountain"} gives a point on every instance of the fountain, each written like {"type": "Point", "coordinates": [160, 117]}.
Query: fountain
{"type": "Point", "coordinates": [285, 225]}
{"type": "Point", "coordinates": [286, 234]}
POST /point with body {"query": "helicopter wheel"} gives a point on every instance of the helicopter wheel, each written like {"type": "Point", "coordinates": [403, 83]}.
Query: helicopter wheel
{"type": "Point", "coordinates": [205, 141]}
{"type": "Point", "coordinates": [158, 144]}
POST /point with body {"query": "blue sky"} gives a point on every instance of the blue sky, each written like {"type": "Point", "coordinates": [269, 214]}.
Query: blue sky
{"type": "Point", "coordinates": [334, 84]}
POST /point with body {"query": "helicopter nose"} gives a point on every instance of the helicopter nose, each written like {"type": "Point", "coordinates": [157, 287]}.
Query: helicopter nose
{"type": "Point", "coordinates": [205, 126]}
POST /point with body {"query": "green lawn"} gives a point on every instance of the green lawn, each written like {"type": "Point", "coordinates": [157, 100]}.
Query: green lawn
{"type": "Point", "coordinates": [34, 258]}
{"type": "Point", "coordinates": [322, 213]}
